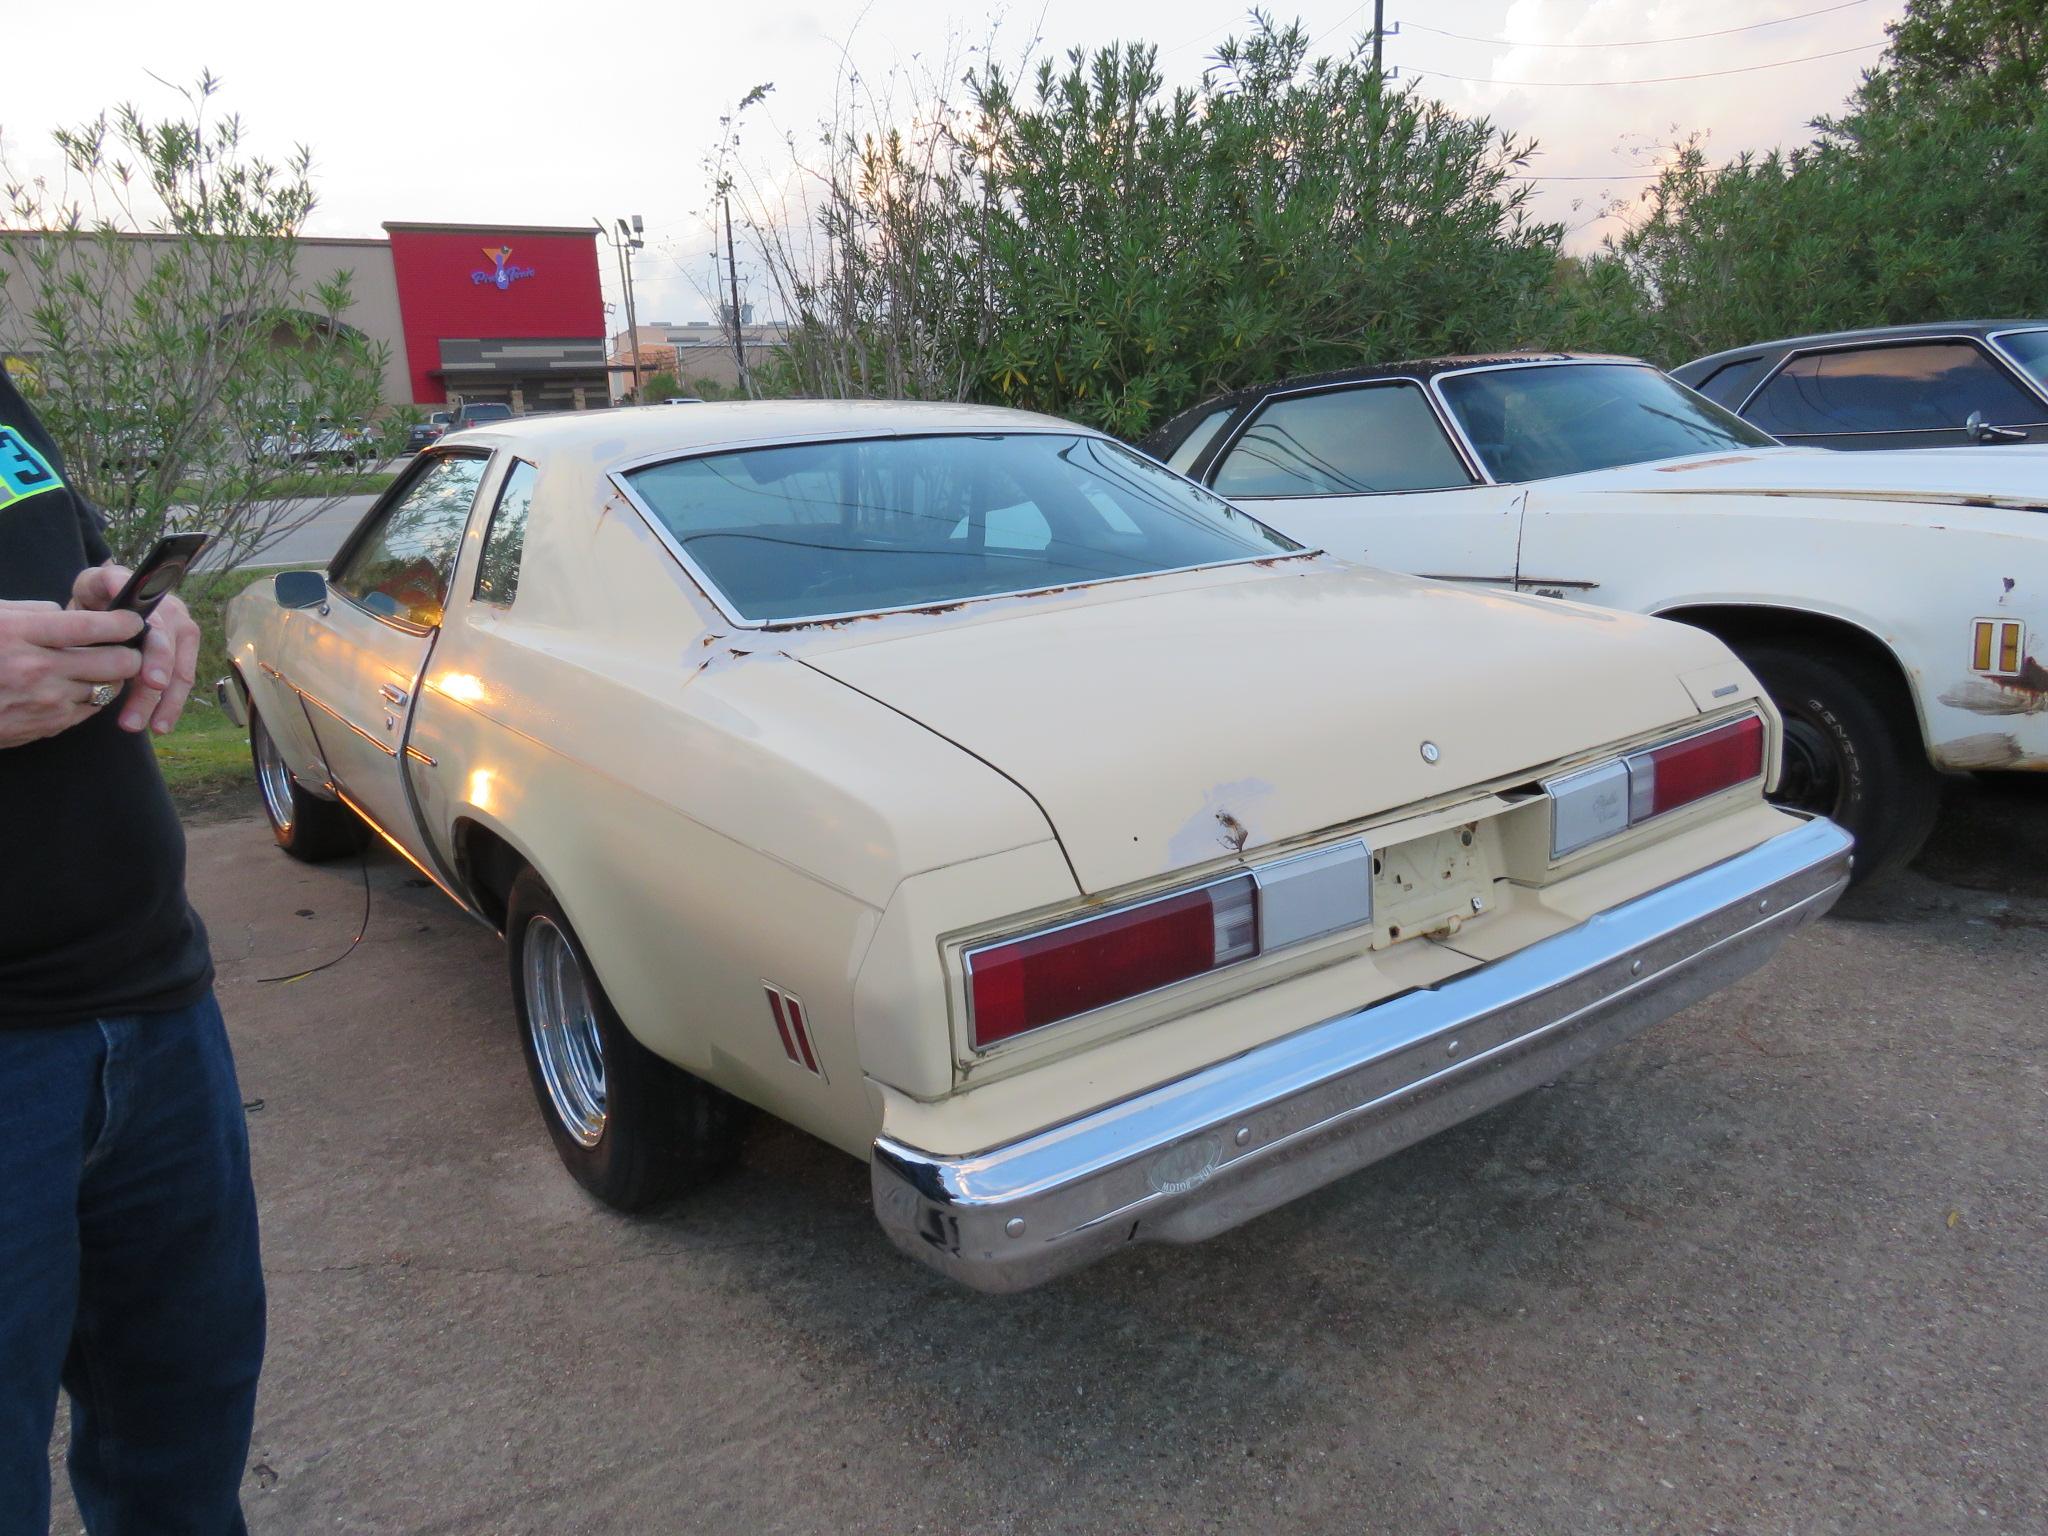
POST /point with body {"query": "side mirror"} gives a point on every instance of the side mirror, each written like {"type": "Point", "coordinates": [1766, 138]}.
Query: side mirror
{"type": "Point", "coordinates": [300, 589]}
{"type": "Point", "coordinates": [1979, 429]}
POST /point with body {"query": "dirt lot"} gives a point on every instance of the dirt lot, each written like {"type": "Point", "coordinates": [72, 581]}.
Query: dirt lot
{"type": "Point", "coordinates": [1780, 1265]}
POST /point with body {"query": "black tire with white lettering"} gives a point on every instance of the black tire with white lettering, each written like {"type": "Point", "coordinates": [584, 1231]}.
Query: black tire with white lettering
{"type": "Point", "coordinates": [631, 1128]}
{"type": "Point", "coordinates": [305, 825]}
{"type": "Point", "coordinates": [1852, 749]}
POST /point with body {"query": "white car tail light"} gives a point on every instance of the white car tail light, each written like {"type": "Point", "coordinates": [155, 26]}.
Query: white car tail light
{"type": "Point", "coordinates": [1020, 984]}
{"type": "Point", "coordinates": [1609, 797]}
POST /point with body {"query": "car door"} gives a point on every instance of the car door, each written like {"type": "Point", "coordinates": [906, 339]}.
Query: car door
{"type": "Point", "coordinates": [1922, 393]}
{"type": "Point", "coordinates": [357, 661]}
{"type": "Point", "coordinates": [1367, 471]}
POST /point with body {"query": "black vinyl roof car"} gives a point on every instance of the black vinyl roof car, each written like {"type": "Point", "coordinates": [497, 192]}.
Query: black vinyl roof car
{"type": "Point", "coordinates": [1946, 384]}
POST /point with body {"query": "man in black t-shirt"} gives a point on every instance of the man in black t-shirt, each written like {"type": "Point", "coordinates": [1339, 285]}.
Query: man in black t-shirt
{"type": "Point", "coordinates": [129, 1271]}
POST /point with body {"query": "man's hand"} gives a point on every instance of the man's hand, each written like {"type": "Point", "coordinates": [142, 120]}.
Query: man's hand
{"type": "Point", "coordinates": [169, 655]}
{"type": "Point", "coordinates": [51, 659]}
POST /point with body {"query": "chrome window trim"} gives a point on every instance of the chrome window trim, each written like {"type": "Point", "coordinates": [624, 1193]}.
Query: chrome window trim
{"type": "Point", "coordinates": [1445, 410]}
{"type": "Point", "coordinates": [618, 475]}
{"type": "Point", "coordinates": [1473, 466]}
{"type": "Point", "coordinates": [1984, 344]}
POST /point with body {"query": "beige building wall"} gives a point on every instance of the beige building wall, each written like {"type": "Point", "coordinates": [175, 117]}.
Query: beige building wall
{"type": "Point", "coordinates": [695, 354]}
{"type": "Point", "coordinates": [373, 285]}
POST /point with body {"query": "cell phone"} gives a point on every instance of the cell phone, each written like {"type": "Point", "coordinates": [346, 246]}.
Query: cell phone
{"type": "Point", "coordinates": [158, 576]}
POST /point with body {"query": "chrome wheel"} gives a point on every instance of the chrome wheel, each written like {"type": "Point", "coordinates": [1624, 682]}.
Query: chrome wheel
{"type": "Point", "coordinates": [272, 777]}
{"type": "Point", "coordinates": [563, 1027]}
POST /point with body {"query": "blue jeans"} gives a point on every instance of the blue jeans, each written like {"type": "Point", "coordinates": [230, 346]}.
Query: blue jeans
{"type": "Point", "coordinates": [129, 1273]}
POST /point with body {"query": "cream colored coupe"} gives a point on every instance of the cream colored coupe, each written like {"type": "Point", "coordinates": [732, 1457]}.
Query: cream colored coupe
{"type": "Point", "coordinates": [1002, 808]}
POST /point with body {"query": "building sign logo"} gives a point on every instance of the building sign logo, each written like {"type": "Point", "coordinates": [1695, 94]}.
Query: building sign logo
{"type": "Point", "coordinates": [504, 274]}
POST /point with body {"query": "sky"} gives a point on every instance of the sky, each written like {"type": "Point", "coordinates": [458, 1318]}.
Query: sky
{"type": "Point", "coordinates": [524, 113]}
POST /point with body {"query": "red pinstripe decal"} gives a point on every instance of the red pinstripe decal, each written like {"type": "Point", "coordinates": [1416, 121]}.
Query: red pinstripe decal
{"type": "Point", "coordinates": [803, 1033]}
{"type": "Point", "coordinates": [781, 1024]}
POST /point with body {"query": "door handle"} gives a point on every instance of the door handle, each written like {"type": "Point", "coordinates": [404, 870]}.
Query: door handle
{"type": "Point", "coordinates": [395, 697]}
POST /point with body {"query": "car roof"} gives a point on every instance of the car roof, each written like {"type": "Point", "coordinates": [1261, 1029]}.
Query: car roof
{"type": "Point", "coordinates": [1164, 438]}
{"type": "Point", "coordinates": [1714, 361]}
{"type": "Point", "coordinates": [621, 436]}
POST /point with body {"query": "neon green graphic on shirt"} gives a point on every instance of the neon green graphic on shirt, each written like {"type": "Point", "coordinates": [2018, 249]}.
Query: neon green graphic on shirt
{"type": "Point", "coordinates": [23, 471]}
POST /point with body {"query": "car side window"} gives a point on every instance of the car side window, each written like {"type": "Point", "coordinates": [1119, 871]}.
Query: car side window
{"type": "Point", "coordinates": [401, 569]}
{"type": "Point", "coordinates": [497, 570]}
{"type": "Point", "coordinates": [1191, 446]}
{"type": "Point", "coordinates": [1912, 387]}
{"type": "Point", "coordinates": [1731, 383]}
{"type": "Point", "coordinates": [1342, 442]}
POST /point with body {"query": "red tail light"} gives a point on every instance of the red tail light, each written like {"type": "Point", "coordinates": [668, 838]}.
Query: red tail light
{"type": "Point", "coordinates": [1042, 978]}
{"type": "Point", "coordinates": [1665, 778]}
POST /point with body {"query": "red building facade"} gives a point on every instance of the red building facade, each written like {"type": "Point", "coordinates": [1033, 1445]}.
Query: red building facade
{"type": "Point", "coordinates": [501, 312]}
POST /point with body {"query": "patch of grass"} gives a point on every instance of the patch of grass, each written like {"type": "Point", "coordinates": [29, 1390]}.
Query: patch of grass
{"type": "Point", "coordinates": [207, 754]}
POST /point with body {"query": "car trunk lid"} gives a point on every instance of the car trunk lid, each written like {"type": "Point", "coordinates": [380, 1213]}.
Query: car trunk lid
{"type": "Point", "coordinates": [1161, 727]}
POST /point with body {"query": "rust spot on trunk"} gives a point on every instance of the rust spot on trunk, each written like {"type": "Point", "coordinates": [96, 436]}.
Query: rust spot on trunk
{"type": "Point", "coordinates": [1235, 833]}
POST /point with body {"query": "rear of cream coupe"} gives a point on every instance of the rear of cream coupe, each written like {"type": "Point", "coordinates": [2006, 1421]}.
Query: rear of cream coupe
{"type": "Point", "coordinates": [1115, 913]}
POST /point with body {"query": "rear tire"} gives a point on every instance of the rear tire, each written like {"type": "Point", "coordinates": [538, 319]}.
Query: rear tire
{"type": "Point", "coordinates": [1852, 749]}
{"type": "Point", "coordinates": [305, 826]}
{"type": "Point", "coordinates": [631, 1128]}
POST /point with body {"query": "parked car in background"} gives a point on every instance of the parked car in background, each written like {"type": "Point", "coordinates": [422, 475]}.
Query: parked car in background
{"type": "Point", "coordinates": [1894, 604]}
{"type": "Point", "coordinates": [424, 434]}
{"type": "Point", "coordinates": [964, 788]}
{"type": "Point", "coordinates": [1943, 385]}
{"type": "Point", "coordinates": [681, 400]}
{"type": "Point", "coordinates": [326, 442]}
{"type": "Point", "coordinates": [476, 413]}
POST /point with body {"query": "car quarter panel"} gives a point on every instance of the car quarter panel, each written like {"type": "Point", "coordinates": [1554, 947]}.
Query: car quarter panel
{"type": "Point", "coordinates": [1917, 578]}
{"type": "Point", "coordinates": [714, 817]}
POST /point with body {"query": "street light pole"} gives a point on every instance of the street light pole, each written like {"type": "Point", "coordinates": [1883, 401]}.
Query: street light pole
{"type": "Point", "coordinates": [628, 241]}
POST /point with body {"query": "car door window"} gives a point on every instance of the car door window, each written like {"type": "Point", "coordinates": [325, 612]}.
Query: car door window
{"type": "Point", "coordinates": [1731, 383]}
{"type": "Point", "coordinates": [1343, 442]}
{"type": "Point", "coordinates": [1915, 387]}
{"type": "Point", "coordinates": [497, 570]}
{"type": "Point", "coordinates": [1183, 458]}
{"type": "Point", "coordinates": [400, 569]}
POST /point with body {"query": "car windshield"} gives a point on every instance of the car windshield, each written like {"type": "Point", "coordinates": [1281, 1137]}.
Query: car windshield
{"type": "Point", "coordinates": [1565, 418]}
{"type": "Point", "coordinates": [2029, 349]}
{"type": "Point", "coordinates": [813, 530]}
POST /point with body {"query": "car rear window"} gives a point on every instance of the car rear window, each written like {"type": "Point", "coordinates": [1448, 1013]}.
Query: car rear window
{"type": "Point", "coordinates": [817, 530]}
{"type": "Point", "coordinates": [490, 411]}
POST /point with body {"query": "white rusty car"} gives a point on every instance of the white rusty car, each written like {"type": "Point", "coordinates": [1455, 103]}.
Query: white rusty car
{"type": "Point", "coordinates": [1005, 810]}
{"type": "Point", "coordinates": [1894, 603]}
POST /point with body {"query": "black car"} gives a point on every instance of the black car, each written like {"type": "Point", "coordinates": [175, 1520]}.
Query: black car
{"type": "Point", "coordinates": [424, 434]}
{"type": "Point", "coordinates": [1943, 385]}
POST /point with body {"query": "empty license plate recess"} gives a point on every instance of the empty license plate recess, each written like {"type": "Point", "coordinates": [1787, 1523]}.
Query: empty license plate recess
{"type": "Point", "coordinates": [1430, 886]}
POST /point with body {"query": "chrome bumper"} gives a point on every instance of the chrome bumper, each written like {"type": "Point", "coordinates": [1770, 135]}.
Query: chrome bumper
{"type": "Point", "coordinates": [1197, 1156]}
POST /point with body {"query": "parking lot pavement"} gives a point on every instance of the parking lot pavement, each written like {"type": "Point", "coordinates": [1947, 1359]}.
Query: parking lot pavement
{"type": "Point", "coordinates": [1779, 1265]}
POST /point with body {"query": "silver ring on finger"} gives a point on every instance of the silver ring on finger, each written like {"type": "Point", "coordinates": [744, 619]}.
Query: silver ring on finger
{"type": "Point", "coordinates": [103, 694]}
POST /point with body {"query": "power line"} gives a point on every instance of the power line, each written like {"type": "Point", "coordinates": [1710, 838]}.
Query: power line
{"type": "Point", "coordinates": [1641, 42]}
{"type": "Point", "coordinates": [1705, 74]}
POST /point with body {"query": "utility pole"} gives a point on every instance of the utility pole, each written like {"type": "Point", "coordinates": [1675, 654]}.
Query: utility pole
{"type": "Point", "coordinates": [732, 275]}
{"type": "Point", "coordinates": [628, 241]}
{"type": "Point", "coordinates": [1380, 32]}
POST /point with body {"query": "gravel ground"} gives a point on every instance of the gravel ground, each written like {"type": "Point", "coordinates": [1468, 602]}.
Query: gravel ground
{"type": "Point", "coordinates": [1776, 1266]}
